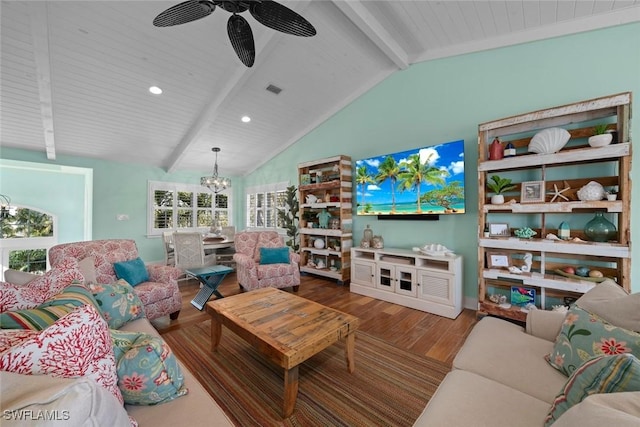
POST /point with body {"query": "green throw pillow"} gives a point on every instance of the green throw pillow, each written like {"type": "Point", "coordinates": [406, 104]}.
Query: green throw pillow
{"type": "Point", "coordinates": [585, 335]}
{"type": "Point", "coordinates": [274, 255]}
{"type": "Point", "coordinates": [118, 303]}
{"type": "Point", "coordinates": [148, 372]}
{"type": "Point", "coordinates": [602, 374]}
{"type": "Point", "coordinates": [36, 319]}
{"type": "Point", "coordinates": [133, 271]}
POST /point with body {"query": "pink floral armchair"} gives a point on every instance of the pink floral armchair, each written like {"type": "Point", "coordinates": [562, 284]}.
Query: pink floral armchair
{"type": "Point", "coordinates": [253, 275]}
{"type": "Point", "coordinates": [160, 295]}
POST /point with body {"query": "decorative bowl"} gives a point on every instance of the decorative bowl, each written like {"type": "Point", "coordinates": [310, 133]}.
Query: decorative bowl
{"type": "Point", "coordinates": [601, 140]}
{"type": "Point", "coordinates": [592, 191]}
{"type": "Point", "coordinates": [549, 140]}
{"type": "Point", "coordinates": [433, 249]}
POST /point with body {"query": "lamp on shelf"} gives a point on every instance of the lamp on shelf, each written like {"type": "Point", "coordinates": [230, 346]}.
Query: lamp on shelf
{"type": "Point", "coordinates": [5, 205]}
{"type": "Point", "coordinates": [215, 182]}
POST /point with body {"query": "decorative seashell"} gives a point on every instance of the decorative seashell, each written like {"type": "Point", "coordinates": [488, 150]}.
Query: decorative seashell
{"type": "Point", "coordinates": [549, 140]}
{"type": "Point", "coordinates": [592, 191]}
{"type": "Point", "coordinates": [551, 236]}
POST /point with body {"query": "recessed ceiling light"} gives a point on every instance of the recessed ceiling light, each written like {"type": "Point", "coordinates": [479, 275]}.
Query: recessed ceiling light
{"type": "Point", "coordinates": [155, 90]}
{"type": "Point", "coordinates": [245, 119]}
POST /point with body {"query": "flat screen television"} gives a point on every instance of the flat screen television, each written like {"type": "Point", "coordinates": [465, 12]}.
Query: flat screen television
{"type": "Point", "coordinates": [426, 181]}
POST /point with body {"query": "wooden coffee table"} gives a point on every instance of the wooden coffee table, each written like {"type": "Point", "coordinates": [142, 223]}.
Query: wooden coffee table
{"type": "Point", "coordinates": [285, 328]}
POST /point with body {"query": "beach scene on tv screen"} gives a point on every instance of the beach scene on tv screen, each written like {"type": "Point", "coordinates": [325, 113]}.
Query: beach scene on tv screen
{"type": "Point", "coordinates": [427, 180]}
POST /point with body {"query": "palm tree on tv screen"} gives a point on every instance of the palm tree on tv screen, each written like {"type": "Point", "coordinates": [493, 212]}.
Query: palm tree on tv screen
{"type": "Point", "coordinates": [363, 178]}
{"type": "Point", "coordinates": [389, 169]}
{"type": "Point", "coordinates": [416, 172]}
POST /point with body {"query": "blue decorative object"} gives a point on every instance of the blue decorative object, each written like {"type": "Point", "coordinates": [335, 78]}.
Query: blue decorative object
{"type": "Point", "coordinates": [582, 271]}
{"type": "Point", "coordinates": [564, 231]}
{"type": "Point", "coordinates": [525, 233]}
{"type": "Point", "coordinates": [133, 271]}
{"type": "Point", "coordinates": [274, 255]}
{"type": "Point", "coordinates": [522, 296]}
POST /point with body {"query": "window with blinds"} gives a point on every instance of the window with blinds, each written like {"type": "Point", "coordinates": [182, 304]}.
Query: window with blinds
{"type": "Point", "coordinates": [262, 208]}
{"type": "Point", "coordinates": [174, 206]}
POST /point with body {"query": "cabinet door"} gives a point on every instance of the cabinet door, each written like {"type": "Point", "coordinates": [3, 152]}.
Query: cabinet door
{"type": "Point", "coordinates": [406, 281]}
{"type": "Point", "coordinates": [386, 277]}
{"type": "Point", "coordinates": [363, 273]}
{"type": "Point", "coordinates": [435, 286]}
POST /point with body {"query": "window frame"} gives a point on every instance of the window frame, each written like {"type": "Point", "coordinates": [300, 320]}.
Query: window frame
{"type": "Point", "coordinates": [176, 187]}
{"type": "Point", "coordinates": [264, 191]}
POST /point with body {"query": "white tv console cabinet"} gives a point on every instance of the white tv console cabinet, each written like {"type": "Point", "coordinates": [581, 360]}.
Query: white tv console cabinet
{"type": "Point", "coordinates": [402, 276]}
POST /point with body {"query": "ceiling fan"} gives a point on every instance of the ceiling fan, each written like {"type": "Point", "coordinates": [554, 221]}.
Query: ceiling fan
{"type": "Point", "coordinates": [267, 12]}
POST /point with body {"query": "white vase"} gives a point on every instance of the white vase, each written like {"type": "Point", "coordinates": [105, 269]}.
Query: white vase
{"type": "Point", "coordinates": [600, 140]}
{"type": "Point", "coordinates": [497, 199]}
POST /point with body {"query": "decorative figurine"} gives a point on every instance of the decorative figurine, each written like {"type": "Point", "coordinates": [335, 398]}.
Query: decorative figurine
{"type": "Point", "coordinates": [509, 150]}
{"type": "Point", "coordinates": [564, 231]}
{"type": "Point", "coordinates": [323, 218]}
{"type": "Point", "coordinates": [496, 150]}
{"type": "Point", "coordinates": [525, 233]}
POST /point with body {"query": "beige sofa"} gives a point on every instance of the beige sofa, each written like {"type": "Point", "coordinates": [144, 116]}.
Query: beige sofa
{"type": "Point", "coordinates": [501, 378]}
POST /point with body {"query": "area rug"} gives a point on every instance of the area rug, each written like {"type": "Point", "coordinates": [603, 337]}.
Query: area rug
{"type": "Point", "coordinates": [390, 386]}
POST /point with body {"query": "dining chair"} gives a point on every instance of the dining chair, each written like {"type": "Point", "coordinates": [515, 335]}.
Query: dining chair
{"type": "Point", "coordinates": [225, 256]}
{"type": "Point", "coordinates": [169, 250]}
{"type": "Point", "coordinates": [189, 251]}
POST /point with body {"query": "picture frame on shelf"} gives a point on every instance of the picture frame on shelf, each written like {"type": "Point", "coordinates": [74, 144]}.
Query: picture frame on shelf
{"type": "Point", "coordinates": [499, 229]}
{"type": "Point", "coordinates": [498, 260]}
{"type": "Point", "coordinates": [305, 179]}
{"type": "Point", "coordinates": [532, 192]}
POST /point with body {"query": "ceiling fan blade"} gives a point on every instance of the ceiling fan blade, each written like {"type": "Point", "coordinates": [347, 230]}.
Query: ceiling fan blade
{"type": "Point", "coordinates": [184, 12]}
{"type": "Point", "coordinates": [281, 18]}
{"type": "Point", "coordinates": [241, 38]}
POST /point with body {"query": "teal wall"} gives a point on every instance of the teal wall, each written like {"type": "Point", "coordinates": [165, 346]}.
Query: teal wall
{"type": "Point", "coordinates": [446, 99]}
{"type": "Point", "coordinates": [429, 103]}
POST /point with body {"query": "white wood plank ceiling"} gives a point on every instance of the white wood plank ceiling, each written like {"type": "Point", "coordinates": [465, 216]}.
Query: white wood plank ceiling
{"type": "Point", "coordinates": [75, 74]}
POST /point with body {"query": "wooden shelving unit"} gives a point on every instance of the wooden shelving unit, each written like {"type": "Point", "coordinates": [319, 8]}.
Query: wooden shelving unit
{"type": "Point", "coordinates": [329, 182]}
{"type": "Point", "coordinates": [573, 166]}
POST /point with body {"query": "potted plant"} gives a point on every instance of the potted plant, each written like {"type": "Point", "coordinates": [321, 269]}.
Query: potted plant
{"type": "Point", "coordinates": [612, 193]}
{"type": "Point", "coordinates": [600, 136]}
{"type": "Point", "coordinates": [499, 185]}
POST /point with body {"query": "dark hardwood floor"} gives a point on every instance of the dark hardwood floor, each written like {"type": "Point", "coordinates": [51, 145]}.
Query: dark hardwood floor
{"type": "Point", "coordinates": [416, 331]}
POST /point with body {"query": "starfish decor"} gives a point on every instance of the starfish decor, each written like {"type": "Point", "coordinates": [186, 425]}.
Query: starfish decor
{"type": "Point", "coordinates": [557, 194]}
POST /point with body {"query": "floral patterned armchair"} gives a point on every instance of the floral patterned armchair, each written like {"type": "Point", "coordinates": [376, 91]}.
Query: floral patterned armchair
{"type": "Point", "coordinates": [253, 275]}
{"type": "Point", "coordinates": [160, 295]}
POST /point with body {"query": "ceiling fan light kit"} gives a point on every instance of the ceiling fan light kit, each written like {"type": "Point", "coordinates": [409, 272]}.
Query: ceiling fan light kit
{"type": "Point", "coordinates": [267, 12]}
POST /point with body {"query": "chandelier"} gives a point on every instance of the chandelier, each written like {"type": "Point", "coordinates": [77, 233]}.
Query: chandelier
{"type": "Point", "coordinates": [215, 182]}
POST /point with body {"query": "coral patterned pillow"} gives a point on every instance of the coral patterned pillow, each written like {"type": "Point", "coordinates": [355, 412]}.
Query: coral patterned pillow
{"type": "Point", "coordinates": [585, 335]}
{"type": "Point", "coordinates": [77, 345]}
{"type": "Point", "coordinates": [104, 265]}
{"type": "Point", "coordinates": [34, 293]}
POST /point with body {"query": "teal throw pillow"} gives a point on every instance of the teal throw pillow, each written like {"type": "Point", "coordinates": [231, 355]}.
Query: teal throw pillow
{"type": "Point", "coordinates": [148, 372]}
{"type": "Point", "coordinates": [133, 271]}
{"type": "Point", "coordinates": [585, 335]}
{"type": "Point", "coordinates": [601, 374]}
{"type": "Point", "coordinates": [274, 255]}
{"type": "Point", "coordinates": [118, 303]}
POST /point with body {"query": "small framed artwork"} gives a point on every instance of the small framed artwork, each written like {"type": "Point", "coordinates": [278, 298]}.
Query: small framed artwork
{"type": "Point", "coordinates": [522, 296]}
{"type": "Point", "coordinates": [499, 229]}
{"type": "Point", "coordinates": [305, 179]}
{"type": "Point", "coordinates": [532, 192]}
{"type": "Point", "coordinates": [498, 260]}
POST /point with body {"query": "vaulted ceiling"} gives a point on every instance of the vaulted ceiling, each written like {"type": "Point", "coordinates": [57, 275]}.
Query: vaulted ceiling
{"type": "Point", "coordinates": [75, 74]}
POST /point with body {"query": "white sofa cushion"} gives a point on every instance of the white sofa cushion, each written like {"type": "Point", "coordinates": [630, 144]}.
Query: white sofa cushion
{"type": "Point", "coordinates": [502, 351]}
{"type": "Point", "coordinates": [69, 402]}
{"type": "Point", "coordinates": [609, 409]}
{"type": "Point", "coordinates": [467, 399]}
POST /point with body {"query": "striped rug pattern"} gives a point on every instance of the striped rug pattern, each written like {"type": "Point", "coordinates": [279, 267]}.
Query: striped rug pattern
{"type": "Point", "coordinates": [390, 386]}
